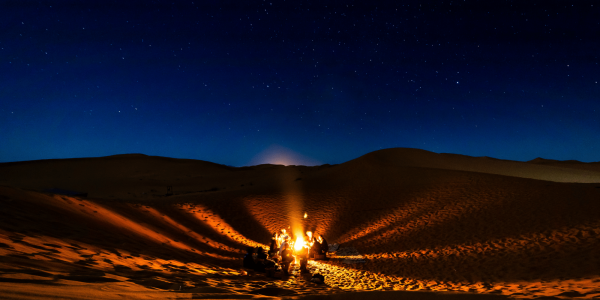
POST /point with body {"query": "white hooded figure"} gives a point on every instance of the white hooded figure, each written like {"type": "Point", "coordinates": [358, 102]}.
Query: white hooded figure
{"type": "Point", "coordinates": [285, 242]}
{"type": "Point", "coordinates": [282, 241]}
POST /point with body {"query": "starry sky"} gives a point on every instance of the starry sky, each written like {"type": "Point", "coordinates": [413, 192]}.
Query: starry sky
{"type": "Point", "coordinates": [299, 82]}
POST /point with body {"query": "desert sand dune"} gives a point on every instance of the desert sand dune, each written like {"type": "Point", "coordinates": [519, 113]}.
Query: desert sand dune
{"type": "Point", "coordinates": [441, 226]}
{"type": "Point", "coordinates": [573, 164]}
{"type": "Point", "coordinates": [551, 170]}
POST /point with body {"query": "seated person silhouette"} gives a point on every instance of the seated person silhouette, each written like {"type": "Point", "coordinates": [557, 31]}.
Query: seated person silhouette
{"type": "Point", "coordinates": [286, 259]}
{"type": "Point", "coordinates": [249, 259]}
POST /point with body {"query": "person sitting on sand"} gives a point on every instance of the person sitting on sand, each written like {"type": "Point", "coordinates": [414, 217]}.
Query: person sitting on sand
{"type": "Point", "coordinates": [319, 248]}
{"type": "Point", "coordinates": [324, 247]}
{"type": "Point", "coordinates": [248, 259]}
{"type": "Point", "coordinates": [273, 247]}
{"type": "Point", "coordinates": [261, 257]}
{"type": "Point", "coordinates": [314, 249]}
{"type": "Point", "coordinates": [302, 255]}
{"type": "Point", "coordinates": [285, 242]}
{"type": "Point", "coordinates": [270, 266]}
{"type": "Point", "coordinates": [286, 259]}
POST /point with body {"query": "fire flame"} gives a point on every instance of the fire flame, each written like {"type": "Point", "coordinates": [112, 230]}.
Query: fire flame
{"type": "Point", "coordinates": [305, 215]}
{"type": "Point", "coordinates": [300, 243]}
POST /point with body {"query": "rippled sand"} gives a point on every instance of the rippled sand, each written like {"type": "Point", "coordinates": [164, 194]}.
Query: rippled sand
{"type": "Point", "coordinates": [435, 225]}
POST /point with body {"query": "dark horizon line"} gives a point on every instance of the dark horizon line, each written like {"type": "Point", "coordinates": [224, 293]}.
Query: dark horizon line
{"type": "Point", "coordinates": [537, 159]}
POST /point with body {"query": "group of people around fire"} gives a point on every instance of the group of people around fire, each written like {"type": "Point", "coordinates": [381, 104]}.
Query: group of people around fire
{"type": "Point", "coordinates": [285, 248]}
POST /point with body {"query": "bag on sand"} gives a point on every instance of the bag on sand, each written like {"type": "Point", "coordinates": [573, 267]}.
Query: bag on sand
{"type": "Point", "coordinates": [318, 278]}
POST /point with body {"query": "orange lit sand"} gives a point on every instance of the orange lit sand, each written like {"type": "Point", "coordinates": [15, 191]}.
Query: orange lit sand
{"type": "Point", "coordinates": [405, 219]}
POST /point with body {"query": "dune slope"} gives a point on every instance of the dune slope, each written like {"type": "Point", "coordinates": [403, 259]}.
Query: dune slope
{"type": "Point", "coordinates": [405, 219]}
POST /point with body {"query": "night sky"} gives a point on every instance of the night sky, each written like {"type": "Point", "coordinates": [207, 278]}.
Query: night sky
{"type": "Point", "coordinates": [299, 82]}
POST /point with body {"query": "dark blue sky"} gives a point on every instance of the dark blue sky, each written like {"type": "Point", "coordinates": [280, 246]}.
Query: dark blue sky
{"type": "Point", "coordinates": [326, 81]}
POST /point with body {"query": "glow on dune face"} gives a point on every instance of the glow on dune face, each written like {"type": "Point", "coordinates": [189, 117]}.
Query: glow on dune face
{"type": "Point", "coordinates": [202, 239]}
{"type": "Point", "coordinates": [211, 219]}
{"type": "Point", "coordinates": [279, 155]}
{"type": "Point", "coordinates": [105, 214]}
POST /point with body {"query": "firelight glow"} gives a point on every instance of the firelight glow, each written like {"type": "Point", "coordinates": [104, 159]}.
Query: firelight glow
{"type": "Point", "coordinates": [300, 243]}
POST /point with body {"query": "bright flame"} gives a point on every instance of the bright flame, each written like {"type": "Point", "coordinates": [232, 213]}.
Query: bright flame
{"type": "Point", "coordinates": [305, 215]}
{"type": "Point", "coordinates": [299, 243]}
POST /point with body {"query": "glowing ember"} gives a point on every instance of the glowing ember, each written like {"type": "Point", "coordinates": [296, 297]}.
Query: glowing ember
{"type": "Point", "coordinates": [305, 215]}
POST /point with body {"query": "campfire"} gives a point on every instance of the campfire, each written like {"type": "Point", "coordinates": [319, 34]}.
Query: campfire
{"type": "Point", "coordinates": [289, 247]}
{"type": "Point", "coordinates": [299, 243]}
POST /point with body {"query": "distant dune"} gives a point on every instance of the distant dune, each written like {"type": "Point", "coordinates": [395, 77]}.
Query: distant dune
{"type": "Point", "coordinates": [446, 225]}
{"type": "Point", "coordinates": [542, 169]}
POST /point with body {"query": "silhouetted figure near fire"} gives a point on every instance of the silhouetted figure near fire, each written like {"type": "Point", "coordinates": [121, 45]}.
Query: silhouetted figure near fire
{"type": "Point", "coordinates": [320, 247]}
{"type": "Point", "coordinates": [268, 265]}
{"type": "Point", "coordinates": [324, 246]}
{"type": "Point", "coordinates": [286, 259]}
{"type": "Point", "coordinates": [302, 255]}
{"type": "Point", "coordinates": [249, 259]}
{"type": "Point", "coordinates": [285, 242]}
{"type": "Point", "coordinates": [273, 248]}
{"type": "Point", "coordinates": [259, 263]}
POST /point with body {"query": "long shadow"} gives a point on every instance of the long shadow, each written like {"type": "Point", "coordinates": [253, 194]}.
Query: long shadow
{"type": "Point", "coordinates": [408, 218]}
{"type": "Point", "coordinates": [501, 216]}
{"type": "Point", "coordinates": [219, 225]}
{"type": "Point", "coordinates": [180, 219]}
{"type": "Point", "coordinates": [484, 265]}
{"type": "Point", "coordinates": [459, 245]}
{"type": "Point", "coordinates": [270, 210]}
{"type": "Point", "coordinates": [367, 198]}
{"type": "Point", "coordinates": [67, 225]}
{"type": "Point", "coordinates": [490, 229]}
{"type": "Point", "coordinates": [231, 209]}
{"type": "Point", "coordinates": [516, 236]}
{"type": "Point", "coordinates": [161, 221]}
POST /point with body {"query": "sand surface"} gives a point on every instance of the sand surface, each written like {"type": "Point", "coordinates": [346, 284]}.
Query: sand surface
{"type": "Point", "coordinates": [410, 224]}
